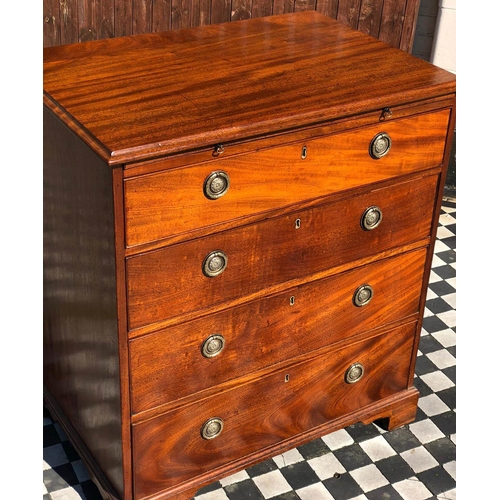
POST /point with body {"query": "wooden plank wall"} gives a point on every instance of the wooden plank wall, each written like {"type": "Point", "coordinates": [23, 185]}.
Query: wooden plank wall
{"type": "Point", "coordinates": [72, 21]}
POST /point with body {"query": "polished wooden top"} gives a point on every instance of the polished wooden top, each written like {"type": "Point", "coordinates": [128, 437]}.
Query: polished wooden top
{"type": "Point", "coordinates": [139, 97]}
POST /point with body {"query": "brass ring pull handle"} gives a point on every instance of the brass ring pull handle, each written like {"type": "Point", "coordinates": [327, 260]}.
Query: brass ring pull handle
{"type": "Point", "coordinates": [354, 373]}
{"type": "Point", "coordinates": [380, 145]}
{"type": "Point", "coordinates": [216, 185]}
{"type": "Point", "coordinates": [213, 346]}
{"type": "Point", "coordinates": [212, 428]}
{"type": "Point", "coordinates": [363, 295]}
{"type": "Point", "coordinates": [215, 263]}
{"type": "Point", "coordinates": [371, 218]}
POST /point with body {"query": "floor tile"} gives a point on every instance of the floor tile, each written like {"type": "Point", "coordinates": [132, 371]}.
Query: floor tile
{"type": "Point", "coordinates": [326, 466]}
{"type": "Point", "coordinates": [443, 233]}
{"type": "Point", "coordinates": [385, 493]}
{"type": "Point", "coordinates": [313, 449]}
{"type": "Point", "coordinates": [446, 422]}
{"type": "Point", "coordinates": [437, 305]}
{"type": "Point", "coordinates": [451, 469]}
{"type": "Point", "coordinates": [80, 470]}
{"type": "Point", "coordinates": [424, 365]}
{"type": "Point", "coordinates": [369, 477]}
{"type": "Point", "coordinates": [337, 439]}
{"type": "Point", "coordinates": [262, 468]}
{"type": "Point", "coordinates": [449, 318]}
{"type": "Point", "coordinates": [422, 387]}
{"type": "Point", "coordinates": [288, 458]}
{"type": "Point", "coordinates": [75, 493]}
{"type": "Point", "coordinates": [432, 405]}
{"type": "Point", "coordinates": [429, 344]}
{"type": "Point", "coordinates": [234, 478]}
{"type": "Point", "coordinates": [377, 448]}
{"type": "Point", "coordinates": [245, 490]}
{"type": "Point", "coordinates": [289, 495]}
{"type": "Point", "coordinates": [90, 491]}
{"type": "Point", "coordinates": [437, 381]}
{"type": "Point", "coordinates": [316, 491]}
{"type": "Point", "coordinates": [272, 484]}
{"type": "Point", "coordinates": [446, 338]}
{"type": "Point", "coordinates": [449, 396]}
{"type": "Point", "coordinates": [59, 478]}
{"type": "Point", "coordinates": [50, 436]}
{"type": "Point", "coordinates": [360, 432]}
{"type": "Point", "coordinates": [299, 475]}
{"type": "Point", "coordinates": [208, 489]}
{"type": "Point", "coordinates": [352, 456]}
{"type": "Point", "coordinates": [395, 469]}
{"type": "Point", "coordinates": [444, 272]}
{"type": "Point", "coordinates": [419, 459]}
{"type": "Point", "coordinates": [402, 440]}
{"type": "Point", "coordinates": [442, 449]}
{"type": "Point", "coordinates": [343, 487]}
{"type": "Point", "coordinates": [448, 495]}
{"type": "Point", "coordinates": [412, 489]}
{"type": "Point", "coordinates": [441, 288]}
{"type": "Point", "coordinates": [213, 495]}
{"type": "Point", "coordinates": [53, 456]}
{"type": "Point", "coordinates": [426, 431]}
{"type": "Point", "coordinates": [437, 480]}
{"type": "Point", "coordinates": [451, 300]}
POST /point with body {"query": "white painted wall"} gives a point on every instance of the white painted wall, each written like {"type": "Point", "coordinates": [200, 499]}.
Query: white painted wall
{"type": "Point", "coordinates": [444, 46]}
{"type": "Point", "coordinates": [435, 35]}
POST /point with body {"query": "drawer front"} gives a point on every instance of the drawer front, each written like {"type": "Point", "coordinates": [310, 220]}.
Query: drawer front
{"type": "Point", "coordinates": [241, 340]}
{"type": "Point", "coordinates": [170, 448]}
{"type": "Point", "coordinates": [173, 202]}
{"type": "Point", "coordinates": [274, 251]}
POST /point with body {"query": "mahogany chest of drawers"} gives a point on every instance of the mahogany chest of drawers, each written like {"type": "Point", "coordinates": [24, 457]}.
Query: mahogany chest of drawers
{"type": "Point", "coordinates": [239, 222]}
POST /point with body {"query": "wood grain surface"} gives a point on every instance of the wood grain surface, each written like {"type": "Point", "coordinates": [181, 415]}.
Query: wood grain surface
{"type": "Point", "coordinates": [147, 95]}
{"type": "Point", "coordinates": [165, 204]}
{"type": "Point", "coordinates": [274, 251]}
{"type": "Point", "coordinates": [271, 330]}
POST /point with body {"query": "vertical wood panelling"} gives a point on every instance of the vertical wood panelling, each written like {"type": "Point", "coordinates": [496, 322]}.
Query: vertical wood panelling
{"type": "Point", "coordinates": [123, 17]}
{"type": "Point", "coordinates": [86, 17]}
{"type": "Point", "coordinates": [221, 11]}
{"type": "Point", "coordinates": [142, 13]}
{"type": "Point", "coordinates": [71, 21]}
{"type": "Point", "coordinates": [241, 9]}
{"type": "Point", "coordinates": [391, 27]}
{"type": "Point", "coordinates": [105, 18]}
{"type": "Point", "coordinates": [200, 12]}
{"type": "Point", "coordinates": [180, 14]}
{"type": "Point", "coordinates": [328, 7]}
{"type": "Point", "coordinates": [283, 6]}
{"type": "Point", "coordinates": [51, 23]}
{"type": "Point", "coordinates": [409, 26]}
{"type": "Point", "coordinates": [262, 8]}
{"type": "Point", "coordinates": [304, 5]}
{"type": "Point", "coordinates": [348, 12]}
{"type": "Point", "coordinates": [161, 15]}
{"type": "Point", "coordinates": [370, 15]}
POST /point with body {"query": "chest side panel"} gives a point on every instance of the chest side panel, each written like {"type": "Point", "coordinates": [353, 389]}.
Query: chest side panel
{"type": "Point", "coordinates": [81, 360]}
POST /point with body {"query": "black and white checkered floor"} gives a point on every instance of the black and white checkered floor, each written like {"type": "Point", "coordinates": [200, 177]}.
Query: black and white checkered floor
{"type": "Point", "coordinates": [416, 462]}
